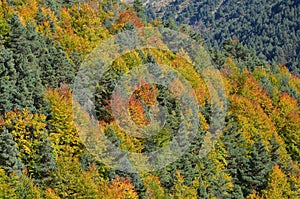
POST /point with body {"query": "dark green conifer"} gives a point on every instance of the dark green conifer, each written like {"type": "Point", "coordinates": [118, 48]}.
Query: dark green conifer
{"type": "Point", "coordinates": [43, 163]}
{"type": "Point", "coordinates": [258, 169]}
{"type": "Point", "coordinates": [9, 153]}
{"type": "Point", "coordinates": [140, 10]}
{"type": "Point", "coordinates": [8, 78]}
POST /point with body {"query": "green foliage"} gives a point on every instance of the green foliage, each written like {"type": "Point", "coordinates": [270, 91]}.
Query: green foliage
{"type": "Point", "coordinates": [44, 163]}
{"type": "Point", "coordinates": [269, 27]}
{"type": "Point", "coordinates": [140, 10]}
{"type": "Point", "coordinates": [237, 158]}
{"type": "Point", "coordinates": [42, 43]}
{"type": "Point", "coordinates": [154, 188]}
{"type": "Point", "coordinates": [22, 43]}
{"type": "Point", "coordinates": [7, 190]}
{"type": "Point", "coordinates": [9, 160]}
{"type": "Point", "coordinates": [7, 80]}
{"type": "Point", "coordinates": [259, 168]}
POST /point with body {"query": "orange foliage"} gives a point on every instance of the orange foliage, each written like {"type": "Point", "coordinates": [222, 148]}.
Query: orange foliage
{"type": "Point", "coordinates": [128, 16]}
{"type": "Point", "coordinates": [145, 94]}
{"type": "Point", "coordinates": [121, 188]}
{"type": "Point", "coordinates": [252, 120]}
{"type": "Point", "coordinates": [27, 11]}
{"type": "Point", "coordinates": [252, 90]}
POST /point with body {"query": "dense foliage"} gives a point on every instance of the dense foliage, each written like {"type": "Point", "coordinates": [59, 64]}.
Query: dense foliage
{"type": "Point", "coordinates": [270, 27]}
{"type": "Point", "coordinates": [42, 44]}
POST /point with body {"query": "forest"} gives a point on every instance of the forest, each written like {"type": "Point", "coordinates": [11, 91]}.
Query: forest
{"type": "Point", "coordinates": [44, 47]}
{"type": "Point", "coordinates": [270, 28]}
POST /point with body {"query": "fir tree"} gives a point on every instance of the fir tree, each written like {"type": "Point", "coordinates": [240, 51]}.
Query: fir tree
{"type": "Point", "coordinates": [274, 153]}
{"type": "Point", "coordinates": [140, 10]}
{"type": "Point", "coordinates": [237, 160]}
{"type": "Point", "coordinates": [9, 153]}
{"type": "Point", "coordinates": [22, 42]}
{"type": "Point", "coordinates": [258, 169]}
{"type": "Point", "coordinates": [44, 163]}
{"type": "Point", "coordinates": [8, 77]}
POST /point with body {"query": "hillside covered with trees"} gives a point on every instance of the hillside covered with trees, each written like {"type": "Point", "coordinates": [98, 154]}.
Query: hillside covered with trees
{"type": "Point", "coordinates": [270, 28]}
{"type": "Point", "coordinates": [43, 44]}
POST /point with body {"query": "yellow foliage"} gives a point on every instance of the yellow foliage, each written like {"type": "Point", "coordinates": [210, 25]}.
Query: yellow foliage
{"type": "Point", "coordinates": [25, 128]}
{"type": "Point", "coordinates": [278, 186]}
{"type": "Point", "coordinates": [181, 190]}
{"type": "Point", "coordinates": [287, 120]}
{"type": "Point", "coordinates": [154, 190]}
{"type": "Point", "coordinates": [252, 120]}
{"type": "Point", "coordinates": [254, 195]}
{"type": "Point", "coordinates": [27, 11]}
{"type": "Point", "coordinates": [129, 143]}
{"type": "Point", "coordinates": [62, 132]}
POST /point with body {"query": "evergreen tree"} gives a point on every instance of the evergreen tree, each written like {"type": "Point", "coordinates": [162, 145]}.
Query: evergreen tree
{"type": "Point", "coordinates": [8, 78]}
{"type": "Point", "coordinates": [237, 160]}
{"type": "Point", "coordinates": [202, 190]}
{"type": "Point", "coordinates": [53, 5]}
{"type": "Point", "coordinates": [140, 10]}
{"type": "Point", "coordinates": [259, 167]}
{"type": "Point", "coordinates": [170, 23]}
{"type": "Point", "coordinates": [274, 153]}
{"type": "Point", "coordinates": [43, 163]}
{"type": "Point", "coordinates": [213, 177]}
{"type": "Point", "coordinates": [56, 68]}
{"type": "Point", "coordinates": [9, 153]}
{"type": "Point", "coordinates": [22, 42]}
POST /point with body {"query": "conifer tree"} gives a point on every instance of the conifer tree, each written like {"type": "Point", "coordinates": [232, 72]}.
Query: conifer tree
{"type": "Point", "coordinates": [22, 42]}
{"type": "Point", "coordinates": [9, 153]}
{"type": "Point", "coordinates": [8, 78]}
{"type": "Point", "coordinates": [43, 163]}
{"type": "Point", "coordinates": [274, 153]}
{"type": "Point", "coordinates": [237, 160]}
{"type": "Point", "coordinates": [56, 68]}
{"type": "Point", "coordinates": [202, 193]}
{"type": "Point", "coordinates": [258, 170]}
{"type": "Point", "coordinates": [140, 10]}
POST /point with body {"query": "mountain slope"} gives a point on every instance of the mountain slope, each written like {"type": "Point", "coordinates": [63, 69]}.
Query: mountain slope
{"type": "Point", "coordinates": [272, 27]}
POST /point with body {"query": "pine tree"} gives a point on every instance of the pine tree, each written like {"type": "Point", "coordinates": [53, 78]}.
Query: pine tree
{"type": "Point", "coordinates": [258, 170]}
{"type": "Point", "coordinates": [9, 153]}
{"type": "Point", "coordinates": [202, 193]}
{"type": "Point", "coordinates": [22, 43]}
{"type": "Point", "coordinates": [56, 68]}
{"type": "Point", "coordinates": [237, 160]}
{"type": "Point", "coordinates": [8, 78]}
{"type": "Point", "coordinates": [44, 163]}
{"type": "Point", "coordinates": [274, 153]}
{"type": "Point", "coordinates": [170, 23]}
{"type": "Point", "coordinates": [140, 10]}
{"type": "Point", "coordinates": [215, 180]}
